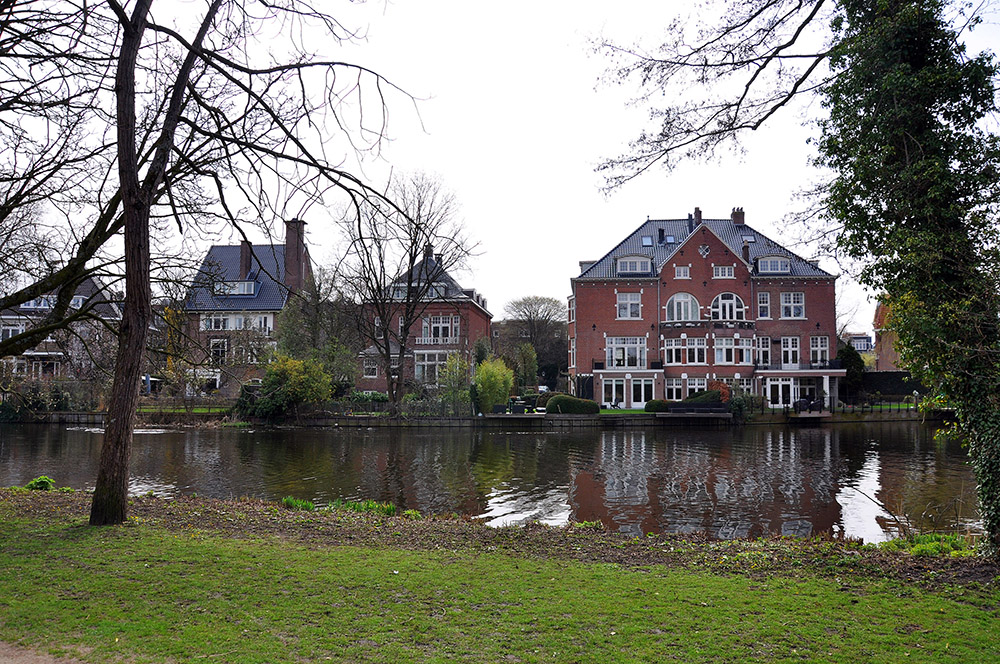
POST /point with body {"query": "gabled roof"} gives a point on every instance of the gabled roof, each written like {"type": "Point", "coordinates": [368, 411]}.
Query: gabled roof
{"type": "Point", "coordinates": [680, 230]}
{"type": "Point", "coordinates": [449, 290]}
{"type": "Point", "coordinates": [222, 263]}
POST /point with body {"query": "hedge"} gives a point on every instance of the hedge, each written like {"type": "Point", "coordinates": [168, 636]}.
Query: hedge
{"type": "Point", "coordinates": [564, 404]}
{"type": "Point", "coordinates": [657, 406]}
{"type": "Point", "coordinates": [705, 396]}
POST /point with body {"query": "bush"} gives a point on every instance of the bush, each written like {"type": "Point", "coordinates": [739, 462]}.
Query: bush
{"type": "Point", "coordinates": [41, 483]}
{"type": "Point", "coordinates": [543, 398]}
{"type": "Point", "coordinates": [493, 383]}
{"type": "Point", "coordinates": [567, 405]}
{"type": "Point", "coordinates": [705, 396]}
{"type": "Point", "coordinates": [287, 384]}
{"type": "Point", "coordinates": [657, 406]}
{"type": "Point", "coordinates": [739, 406]}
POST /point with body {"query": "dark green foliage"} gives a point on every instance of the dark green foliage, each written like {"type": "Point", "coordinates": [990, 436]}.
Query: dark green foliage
{"type": "Point", "coordinates": [567, 405]}
{"type": "Point", "coordinates": [705, 396]}
{"type": "Point", "coordinates": [41, 483]}
{"type": "Point", "coordinates": [657, 406]}
{"type": "Point", "coordinates": [287, 384]}
{"type": "Point", "coordinates": [374, 397]}
{"type": "Point", "coordinates": [915, 191]}
{"type": "Point", "coordinates": [543, 399]}
{"type": "Point", "coordinates": [852, 361]}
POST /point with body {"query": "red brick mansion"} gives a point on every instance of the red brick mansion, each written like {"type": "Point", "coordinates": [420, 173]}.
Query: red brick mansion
{"type": "Point", "coordinates": [681, 302]}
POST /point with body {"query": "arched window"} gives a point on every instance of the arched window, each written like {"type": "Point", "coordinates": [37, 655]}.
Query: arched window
{"type": "Point", "coordinates": [682, 306]}
{"type": "Point", "coordinates": [728, 306]}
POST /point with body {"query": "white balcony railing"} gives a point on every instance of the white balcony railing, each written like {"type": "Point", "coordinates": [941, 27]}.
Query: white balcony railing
{"type": "Point", "coordinates": [436, 341]}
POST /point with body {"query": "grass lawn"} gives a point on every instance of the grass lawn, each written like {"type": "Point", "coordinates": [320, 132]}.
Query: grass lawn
{"type": "Point", "coordinates": [154, 592]}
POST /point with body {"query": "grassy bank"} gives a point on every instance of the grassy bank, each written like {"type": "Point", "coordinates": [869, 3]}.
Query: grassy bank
{"type": "Point", "coordinates": [187, 580]}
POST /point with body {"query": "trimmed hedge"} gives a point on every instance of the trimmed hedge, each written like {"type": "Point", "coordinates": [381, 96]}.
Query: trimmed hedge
{"type": "Point", "coordinates": [563, 404]}
{"type": "Point", "coordinates": [705, 396]}
{"type": "Point", "coordinates": [657, 406]}
{"type": "Point", "coordinates": [544, 397]}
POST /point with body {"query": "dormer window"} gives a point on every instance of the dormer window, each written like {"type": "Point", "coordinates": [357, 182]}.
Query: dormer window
{"type": "Point", "coordinates": [236, 288]}
{"type": "Point", "coordinates": [774, 265]}
{"type": "Point", "coordinates": [44, 302]}
{"type": "Point", "coordinates": [633, 265]}
{"type": "Point", "coordinates": [647, 240]}
{"type": "Point", "coordinates": [77, 301]}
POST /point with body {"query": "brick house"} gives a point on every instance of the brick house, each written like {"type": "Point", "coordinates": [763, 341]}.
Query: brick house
{"type": "Point", "coordinates": [681, 302]}
{"type": "Point", "coordinates": [452, 320]}
{"type": "Point", "coordinates": [75, 353]}
{"type": "Point", "coordinates": [233, 304]}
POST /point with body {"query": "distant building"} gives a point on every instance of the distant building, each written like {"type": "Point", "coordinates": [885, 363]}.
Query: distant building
{"type": "Point", "coordinates": [233, 304]}
{"type": "Point", "coordinates": [71, 353]}
{"type": "Point", "coordinates": [860, 341]}
{"type": "Point", "coordinates": [681, 302]}
{"type": "Point", "coordinates": [453, 319]}
{"type": "Point", "coordinates": [886, 355]}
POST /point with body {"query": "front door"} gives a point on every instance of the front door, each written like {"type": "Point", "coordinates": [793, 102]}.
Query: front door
{"type": "Point", "coordinates": [642, 391]}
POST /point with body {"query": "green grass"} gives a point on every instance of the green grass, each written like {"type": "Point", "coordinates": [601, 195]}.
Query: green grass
{"type": "Point", "coordinates": [182, 409]}
{"type": "Point", "coordinates": [373, 506]}
{"type": "Point", "coordinates": [141, 594]}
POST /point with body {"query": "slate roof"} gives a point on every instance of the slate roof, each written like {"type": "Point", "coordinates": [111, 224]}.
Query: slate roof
{"type": "Point", "coordinates": [429, 267]}
{"type": "Point", "coordinates": [102, 301]}
{"type": "Point", "coordinates": [222, 263]}
{"type": "Point", "coordinates": [680, 229]}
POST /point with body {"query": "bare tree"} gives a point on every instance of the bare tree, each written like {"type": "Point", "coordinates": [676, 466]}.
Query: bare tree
{"type": "Point", "coordinates": [116, 121]}
{"type": "Point", "coordinates": [542, 322]}
{"type": "Point", "coordinates": [397, 263]}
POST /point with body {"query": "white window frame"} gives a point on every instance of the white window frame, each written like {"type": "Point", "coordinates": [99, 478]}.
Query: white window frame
{"type": "Point", "coordinates": [793, 305]}
{"type": "Point", "coordinates": [625, 352]}
{"type": "Point", "coordinates": [633, 265]}
{"type": "Point", "coordinates": [684, 304]}
{"type": "Point", "coordinates": [790, 351]}
{"type": "Point", "coordinates": [682, 272]}
{"type": "Point", "coordinates": [819, 349]}
{"type": "Point", "coordinates": [696, 385]}
{"type": "Point", "coordinates": [630, 304]}
{"type": "Point", "coordinates": [725, 350]}
{"type": "Point", "coordinates": [617, 391]}
{"type": "Point", "coordinates": [764, 351]}
{"type": "Point", "coordinates": [214, 322]}
{"type": "Point", "coordinates": [642, 390]}
{"type": "Point", "coordinates": [572, 352]}
{"type": "Point", "coordinates": [571, 309]}
{"type": "Point", "coordinates": [218, 350]}
{"type": "Point", "coordinates": [697, 350]}
{"type": "Point", "coordinates": [673, 351]}
{"type": "Point", "coordinates": [427, 366]}
{"type": "Point", "coordinates": [764, 305]}
{"type": "Point", "coordinates": [723, 271]}
{"type": "Point", "coordinates": [774, 265]}
{"type": "Point", "coordinates": [673, 389]}
{"type": "Point", "coordinates": [370, 368]}
{"type": "Point", "coordinates": [728, 303]}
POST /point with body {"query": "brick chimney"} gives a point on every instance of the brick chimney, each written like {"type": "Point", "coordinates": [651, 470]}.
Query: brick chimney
{"type": "Point", "coordinates": [697, 216]}
{"type": "Point", "coordinates": [746, 251]}
{"type": "Point", "coordinates": [738, 216]}
{"type": "Point", "coordinates": [295, 254]}
{"type": "Point", "coordinates": [246, 254]}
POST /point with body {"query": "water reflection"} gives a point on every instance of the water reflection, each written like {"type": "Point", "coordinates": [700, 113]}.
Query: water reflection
{"type": "Point", "coordinates": [727, 483]}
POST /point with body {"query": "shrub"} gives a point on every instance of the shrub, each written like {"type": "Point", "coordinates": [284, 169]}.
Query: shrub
{"type": "Point", "coordinates": [725, 392]}
{"type": "Point", "coordinates": [705, 396]}
{"type": "Point", "coordinates": [493, 383]}
{"type": "Point", "coordinates": [739, 406]}
{"type": "Point", "coordinates": [289, 383]}
{"type": "Point", "coordinates": [657, 406]}
{"type": "Point", "coordinates": [543, 398]}
{"type": "Point", "coordinates": [567, 405]}
{"type": "Point", "coordinates": [41, 483]}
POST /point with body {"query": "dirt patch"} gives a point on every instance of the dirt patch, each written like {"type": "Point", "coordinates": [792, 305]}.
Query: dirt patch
{"type": "Point", "coordinates": [761, 557]}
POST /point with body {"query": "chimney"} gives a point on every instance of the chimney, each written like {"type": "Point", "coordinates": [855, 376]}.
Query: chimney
{"type": "Point", "coordinates": [697, 216]}
{"type": "Point", "coordinates": [246, 254]}
{"type": "Point", "coordinates": [428, 251]}
{"type": "Point", "coordinates": [746, 251]}
{"type": "Point", "coordinates": [661, 237]}
{"type": "Point", "coordinates": [738, 216]}
{"type": "Point", "coordinates": [295, 254]}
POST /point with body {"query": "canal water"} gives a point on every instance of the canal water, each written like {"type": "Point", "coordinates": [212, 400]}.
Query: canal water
{"type": "Point", "coordinates": [849, 479]}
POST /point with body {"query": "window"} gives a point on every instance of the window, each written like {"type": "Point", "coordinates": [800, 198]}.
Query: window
{"type": "Point", "coordinates": [697, 351]}
{"type": "Point", "coordinates": [725, 351]}
{"type": "Point", "coordinates": [370, 367]}
{"type": "Point", "coordinates": [774, 265]}
{"type": "Point", "coordinates": [235, 288]}
{"type": "Point", "coordinates": [218, 349]}
{"type": "Point", "coordinates": [819, 350]}
{"type": "Point", "coordinates": [629, 305]}
{"type": "Point", "coordinates": [440, 330]}
{"type": "Point", "coordinates": [572, 309]}
{"type": "Point", "coordinates": [789, 350]}
{"type": "Point", "coordinates": [682, 307]}
{"type": "Point", "coordinates": [8, 331]}
{"type": "Point", "coordinates": [626, 352]}
{"type": "Point", "coordinates": [764, 351]}
{"type": "Point", "coordinates": [44, 302]}
{"type": "Point", "coordinates": [378, 327]}
{"type": "Point", "coordinates": [793, 305]}
{"type": "Point", "coordinates": [673, 351]}
{"type": "Point", "coordinates": [763, 305]}
{"type": "Point", "coordinates": [77, 301]}
{"type": "Point", "coordinates": [749, 239]}
{"type": "Point", "coordinates": [496, 334]}
{"type": "Point", "coordinates": [723, 272]}
{"type": "Point", "coordinates": [214, 322]}
{"type": "Point", "coordinates": [682, 272]}
{"type": "Point", "coordinates": [633, 265]}
{"type": "Point", "coordinates": [614, 390]}
{"type": "Point", "coordinates": [647, 240]}
{"type": "Point", "coordinates": [670, 239]}
{"type": "Point", "coordinates": [697, 385]}
{"type": "Point", "coordinates": [572, 352]}
{"type": "Point", "coordinates": [673, 389]}
{"type": "Point", "coordinates": [727, 306]}
{"type": "Point", "coordinates": [427, 366]}
{"type": "Point", "coordinates": [642, 390]}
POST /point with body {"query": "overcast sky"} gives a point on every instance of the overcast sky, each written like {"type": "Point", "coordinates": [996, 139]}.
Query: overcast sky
{"type": "Point", "coordinates": [514, 122]}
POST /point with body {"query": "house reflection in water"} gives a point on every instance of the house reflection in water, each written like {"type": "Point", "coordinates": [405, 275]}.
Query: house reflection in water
{"type": "Point", "coordinates": [778, 482]}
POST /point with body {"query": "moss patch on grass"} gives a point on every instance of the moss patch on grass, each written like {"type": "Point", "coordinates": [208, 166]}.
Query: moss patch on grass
{"type": "Point", "coordinates": [246, 581]}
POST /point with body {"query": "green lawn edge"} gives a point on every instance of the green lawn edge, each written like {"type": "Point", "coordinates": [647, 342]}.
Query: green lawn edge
{"type": "Point", "coordinates": [146, 592]}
